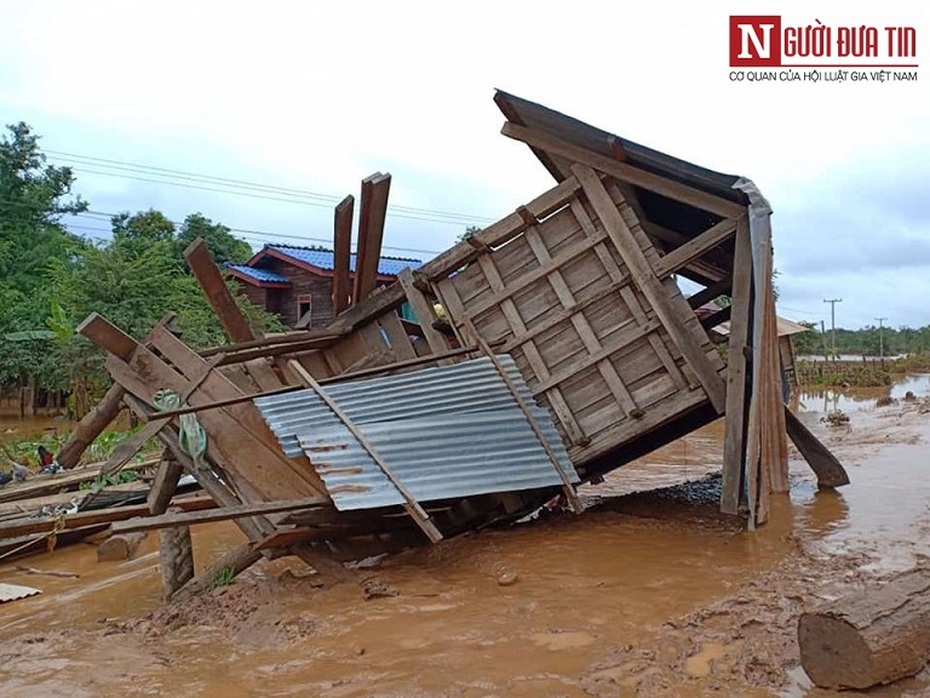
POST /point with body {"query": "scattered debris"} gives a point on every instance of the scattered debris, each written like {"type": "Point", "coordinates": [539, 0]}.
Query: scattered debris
{"type": "Point", "coordinates": [14, 592]}
{"type": "Point", "coordinates": [374, 589]}
{"type": "Point", "coordinates": [835, 418]}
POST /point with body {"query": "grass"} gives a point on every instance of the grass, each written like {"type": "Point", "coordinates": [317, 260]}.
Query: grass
{"type": "Point", "coordinates": [222, 578]}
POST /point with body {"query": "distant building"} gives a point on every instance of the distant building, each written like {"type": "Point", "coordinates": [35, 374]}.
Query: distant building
{"type": "Point", "coordinates": [292, 281]}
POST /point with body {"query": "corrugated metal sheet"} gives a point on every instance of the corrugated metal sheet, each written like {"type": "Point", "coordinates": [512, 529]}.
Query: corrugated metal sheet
{"type": "Point", "coordinates": [449, 431]}
{"type": "Point", "coordinates": [260, 274]}
{"type": "Point", "coordinates": [14, 592]}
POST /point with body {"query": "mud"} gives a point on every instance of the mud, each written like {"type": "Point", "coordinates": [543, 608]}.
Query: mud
{"type": "Point", "coordinates": [647, 594]}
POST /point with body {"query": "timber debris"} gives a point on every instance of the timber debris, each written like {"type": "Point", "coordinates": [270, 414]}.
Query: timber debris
{"type": "Point", "coordinates": [560, 328]}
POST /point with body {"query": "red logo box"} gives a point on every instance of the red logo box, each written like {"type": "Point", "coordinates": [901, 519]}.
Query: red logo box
{"type": "Point", "coordinates": [755, 40]}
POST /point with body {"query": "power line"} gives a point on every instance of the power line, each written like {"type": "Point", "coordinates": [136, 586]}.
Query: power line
{"type": "Point", "coordinates": [414, 213]}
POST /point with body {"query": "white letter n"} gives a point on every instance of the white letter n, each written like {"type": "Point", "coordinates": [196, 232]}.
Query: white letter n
{"type": "Point", "coordinates": [762, 45]}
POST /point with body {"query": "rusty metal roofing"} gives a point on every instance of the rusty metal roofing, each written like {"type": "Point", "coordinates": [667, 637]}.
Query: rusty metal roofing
{"type": "Point", "coordinates": [446, 432]}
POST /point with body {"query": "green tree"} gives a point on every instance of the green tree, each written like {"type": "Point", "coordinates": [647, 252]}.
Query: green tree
{"type": "Point", "coordinates": [220, 240]}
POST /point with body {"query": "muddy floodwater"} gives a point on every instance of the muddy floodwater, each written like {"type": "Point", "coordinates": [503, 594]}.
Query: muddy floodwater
{"type": "Point", "coordinates": [649, 593]}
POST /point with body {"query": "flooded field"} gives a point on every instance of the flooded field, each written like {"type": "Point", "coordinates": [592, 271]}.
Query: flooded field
{"type": "Point", "coordinates": [649, 593]}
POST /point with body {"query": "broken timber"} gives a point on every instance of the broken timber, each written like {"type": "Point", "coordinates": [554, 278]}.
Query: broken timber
{"type": "Point", "coordinates": [578, 286]}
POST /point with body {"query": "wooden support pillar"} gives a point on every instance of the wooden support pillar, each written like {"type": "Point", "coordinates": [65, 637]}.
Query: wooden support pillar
{"type": "Point", "coordinates": [342, 253]}
{"type": "Point", "coordinates": [738, 379]}
{"type": "Point", "coordinates": [218, 296]}
{"type": "Point", "coordinates": [176, 556]}
{"type": "Point", "coordinates": [165, 484]}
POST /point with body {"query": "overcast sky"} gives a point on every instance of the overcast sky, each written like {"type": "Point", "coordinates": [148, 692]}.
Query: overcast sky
{"type": "Point", "coordinates": [315, 96]}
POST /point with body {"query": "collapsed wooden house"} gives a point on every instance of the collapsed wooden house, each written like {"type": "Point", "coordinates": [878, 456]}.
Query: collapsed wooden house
{"type": "Point", "coordinates": [552, 347]}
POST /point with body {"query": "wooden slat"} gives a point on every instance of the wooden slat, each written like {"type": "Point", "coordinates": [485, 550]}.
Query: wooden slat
{"type": "Point", "coordinates": [734, 440]}
{"type": "Point", "coordinates": [342, 251]}
{"type": "Point", "coordinates": [263, 374]}
{"type": "Point", "coordinates": [623, 171]}
{"type": "Point", "coordinates": [411, 505]}
{"type": "Point", "coordinates": [375, 190]}
{"type": "Point", "coordinates": [691, 250]}
{"type": "Point", "coordinates": [721, 288]}
{"type": "Point", "coordinates": [630, 332]}
{"type": "Point", "coordinates": [829, 471]}
{"type": "Point", "coordinates": [627, 294]}
{"type": "Point", "coordinates": [107, 336]}
{"type": "Point", "coordinates": [582, 326]}
{"type": "Point", "coordinates": [400, 340]}
{"type": "Point", "coordinates": [21, 527]}
{"type": "Point", "coordinates": [531, 277]}
{"type": "Point", "coordinates": [152, 523]}
{"type": "Point", "coordinates": [438, 342]}
{"type": "Point", "coordinates": [651, 287]}
{"type": "Point", "coordinates": [567, 487]}
{"type": "Point", "coordinates": [218, 296]}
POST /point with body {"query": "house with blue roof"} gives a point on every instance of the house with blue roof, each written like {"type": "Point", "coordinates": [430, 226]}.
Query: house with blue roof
{"type": "Point", "coordinates": [291, 281]}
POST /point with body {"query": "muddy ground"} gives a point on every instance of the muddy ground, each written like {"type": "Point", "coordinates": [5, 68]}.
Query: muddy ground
{"type": "Point", "coordinates": [646, 594]}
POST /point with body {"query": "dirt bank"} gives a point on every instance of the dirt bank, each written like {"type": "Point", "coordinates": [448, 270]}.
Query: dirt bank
{"type": "Point", "coordinates": [650, 594]}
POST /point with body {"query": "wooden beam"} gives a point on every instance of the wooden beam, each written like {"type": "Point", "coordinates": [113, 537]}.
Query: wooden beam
{"type": "Point", "coordinates": [644, 277]}
{"type": "Point", "coordinates": [411, 505]}
{"type": "Point", "coordinates": [693, 249]}
{"type": "Point", "coordinates": [107, 336]}
{"type": "Point", "coordinates": [299, 339]}
{"type": "Point", "coordinates": [714, 319]}
{"type": "Point", "coordinates": [229, 565]}
{"type": "Point", "coordinates": [375, 190]}
{"type": "Point", "coordinates": [830, 472]}
{"type": "Point", "coordinates": [240, 511]}
{"type": "Point", "coordinates": [218, 296]}
{"type": "Point", "coordinates": [721, 288]}
{"type": "Point", "coordinates": [734, 440]}
{"type": "Point", "coordinates": [623, 171]}
{"type": "Point", "coordinates": [21, 527]}
{"type": "Point", "coordinates": [91, 426]}
{"type": "Point", "coordinates": [437, 341]}
{"type": "Point", "coordinates": [342, 252]}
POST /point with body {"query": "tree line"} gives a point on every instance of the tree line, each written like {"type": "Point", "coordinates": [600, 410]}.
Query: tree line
{"type": "Point", "coordinates": [51, 278]}
{"type": "Point", "coordinates": [866, 341]}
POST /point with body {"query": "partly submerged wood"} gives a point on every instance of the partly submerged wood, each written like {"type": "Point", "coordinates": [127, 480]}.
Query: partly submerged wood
{"type": "Point", "coordinates": [830, 472]}
{"type": "Point", "coordinates": [869, 638]}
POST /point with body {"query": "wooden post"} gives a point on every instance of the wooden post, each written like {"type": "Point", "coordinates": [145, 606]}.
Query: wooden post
{"type": "Point", "coordinates": [375, 190]}
{"type": "Point", "coordinates": [218, 296]}
{"type": "Point", "coordinates": [165, 483]}
{"type": "Point", "coordinates": [342, 253]}
{"type": "Point", "coordinates": [176, 556]}
{"type": "Point", "coordinates": [870, 638]}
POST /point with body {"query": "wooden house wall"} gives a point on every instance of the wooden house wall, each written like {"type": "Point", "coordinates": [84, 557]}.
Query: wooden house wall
{"type": "Point", "coordinates": [561, 300]}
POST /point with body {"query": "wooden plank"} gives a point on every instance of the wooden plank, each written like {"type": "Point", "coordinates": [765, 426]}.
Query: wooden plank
{"type": "Point", "coordinates": [695, 248]}
{"type": "Point", "coordinates": [582, 326]}
{"type": "Point", "coordinates": [411, 505]}
{"type": "Point", "coordinates": [375, 190]}
{"type": "Point", "coordinates": [557, 401]}
{"type": "Point", "coordinates": [544, 270]}
{"type": "Point", "coordinates": [400, 340]}
{"type": "Point", "coordinates": [714, 319]}
{"type": "Point", "coordinates": [299, 338]}
{"type": "Point", "coordinates": [830, 472]}
{"type": "Point", "coordinates": [721, 288]}
{"type": "Point", "coordinates": [342, 253]}
{"type": "Point", "coordinates": [21, 527]}
{"type": "Point", "coordinates": [218, 296]}
{"type": "Point", "coordinates": [107, 336]}
{"type": "Point", "coordinates": [651, 287]}
{"type": "Point", "coordinates": [567, 487]}
{"type": "Point", "coordinates": [438, 342]}
{"type": "Point", "coordinates": [126, 449]}
{"type": "Point", "coordinates": [240, 511]}
{"type": "Point", "coordinates": [41, 485]}
{"type": "Point", "coordinates": [263, 374]}
{"type": "Point", "coordinates": [626, 293]}
{"type": "Point", "coordinates": [165, 483]}
{"type": "Point", "coordinates": [734, 440]}
{"type": "Point", "coordinates": [623, 171]}
{"type": "Point", "coordinates": [631, 333]}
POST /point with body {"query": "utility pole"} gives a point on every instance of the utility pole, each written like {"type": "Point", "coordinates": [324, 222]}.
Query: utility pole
{"type": "Point", "coordinates": [881, 338]}
{"type": "Point", "coordinates": [823, 337]}
{"type": "Point", "coordinates": [833, 302]}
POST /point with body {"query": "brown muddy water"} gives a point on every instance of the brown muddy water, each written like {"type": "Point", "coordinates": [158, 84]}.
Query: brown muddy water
{"type": "Point", "coordinates": [649, 593]}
